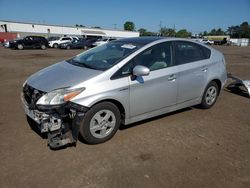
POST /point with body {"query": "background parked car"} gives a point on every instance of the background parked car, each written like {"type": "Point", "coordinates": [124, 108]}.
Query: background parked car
{"type": "Point", "coordinates": [103, 41]}
{"type": "Point", "coordinates": [220, 42]}
{"type": "Point", "coordinates": [89, 42]}
{"type": "Point", "coordinates": [29, 42]}
{"type": "Point", "coordinates": [2, 40]}
{"type": "Point", "coordinates": [6, 44]}
{"type": "Point", "coordinates": [78, 44]}
{"type": "Point", "coordinates": [55, 43]}
{"type": "Point", "coordinates": [206, 41]}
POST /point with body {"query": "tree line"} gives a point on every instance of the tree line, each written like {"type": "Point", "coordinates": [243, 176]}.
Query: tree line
{"type": "Point", "coordinates": [235, 31]}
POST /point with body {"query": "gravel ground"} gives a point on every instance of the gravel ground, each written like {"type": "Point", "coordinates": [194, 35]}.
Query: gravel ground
{"type": "Point", "coordinates": [188, 148]}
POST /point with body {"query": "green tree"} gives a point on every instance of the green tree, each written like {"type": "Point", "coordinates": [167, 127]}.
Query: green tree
{"type": "Point", "coordinates": [205, 33]}
{"type": "Point", "coordinates": [212, 32]}
{"type": "Point", "coordinates": [239, 31]}
{"type": "Point", "coordinates": [167, 32]}
{"type": "Point", "coordinates": [129, 26]}
{"type": "Point", "coordinates": [97, 27]}
{"type": "Point", "coordinates": [245, 30]}
{"type": "Point", "coordinates": [183, 33]}
{"type": "Point", "coordinates": [77, 25]}
{"type": "Point", "coordinates": [144, 32]}
{"type": "Point", "coordinates": [220, 32]}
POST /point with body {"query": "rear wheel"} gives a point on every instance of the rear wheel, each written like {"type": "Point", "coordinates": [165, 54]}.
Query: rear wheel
{"type": "Point", "coordinates": [68, 47]}
{"type": "Point", "coordinates": [100, 123]}
{"type": "Point", "coordinates": [20, 47]}
{"type": "Point", "coordinates": [210, 95]}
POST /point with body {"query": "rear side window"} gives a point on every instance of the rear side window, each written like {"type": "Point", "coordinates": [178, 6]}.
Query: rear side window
{"type": "Point", "coordinates": [37, 38]}
{"type": "Point", "coordinates": [66, 38]}
{"type": "Point", "coordinates": [187, 52]}
{"type": "Point", "coordinates": [206, 51]}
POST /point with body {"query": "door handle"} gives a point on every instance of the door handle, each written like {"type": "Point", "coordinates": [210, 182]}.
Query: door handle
{"type": "Point", "coordinates": [172, 77]}
{"type": "Point", "coordinates": [204, 69]}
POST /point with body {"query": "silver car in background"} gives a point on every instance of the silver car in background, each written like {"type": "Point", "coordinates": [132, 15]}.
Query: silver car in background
{"type": "Point", "coordinates": [121, 82]}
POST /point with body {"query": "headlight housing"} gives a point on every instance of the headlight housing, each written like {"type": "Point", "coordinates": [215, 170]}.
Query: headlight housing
{"type": "Point", "coordinates": [59, 96]}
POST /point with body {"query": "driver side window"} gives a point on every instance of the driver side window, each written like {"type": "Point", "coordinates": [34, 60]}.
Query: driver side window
{"type": "Point", "coordinates": [155, 58]}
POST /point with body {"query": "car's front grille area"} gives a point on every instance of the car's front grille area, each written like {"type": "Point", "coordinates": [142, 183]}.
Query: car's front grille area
{"type": "Point", "coordinates": [31, 95]}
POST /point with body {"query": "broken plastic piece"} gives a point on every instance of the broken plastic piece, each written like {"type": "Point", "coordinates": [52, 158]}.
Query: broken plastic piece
{"type": "Point", "coordinates": [238, 82]}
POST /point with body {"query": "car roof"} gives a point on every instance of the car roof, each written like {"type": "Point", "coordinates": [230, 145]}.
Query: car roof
{"type": "Point", "coordinates": [147, 40]}
{"type": "Point", "coordinates": [141, 40]}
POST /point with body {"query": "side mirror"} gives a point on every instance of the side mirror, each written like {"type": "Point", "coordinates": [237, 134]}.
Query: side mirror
{"type": "Point", "coordinates": [140, 70]}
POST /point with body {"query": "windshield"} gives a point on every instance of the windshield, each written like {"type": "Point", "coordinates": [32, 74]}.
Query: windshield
{"type": "Point", "coordinates": [105, 56]}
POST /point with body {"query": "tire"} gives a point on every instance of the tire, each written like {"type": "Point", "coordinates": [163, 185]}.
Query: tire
{"type": "Point", "coordinates": [210, 95]}
{"type": "Point", "coordinates": [55, 45]}
{"type": "Point", "coordinates": [43, 47]}
{"type": "Point", "coordinates": [68, 47]}
{"type": "Point", "coordinates": [95, 128]}
{"type": "Point", "coordinates": [20, 47]}
{"type": "Point", "coordinates": [85, 47]}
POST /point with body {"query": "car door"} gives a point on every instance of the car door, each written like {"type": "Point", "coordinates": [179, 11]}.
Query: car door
{"type": "Point", "coordinates": [159, 89]}
{"type": "Point", "coordinates": [80, 44]}
{"type": "Point", "coordinates": [36, 42]}
{"type": "Point", "coordinates": [192, 70]}
{"type": "Point", "coordinates": [28, 41]}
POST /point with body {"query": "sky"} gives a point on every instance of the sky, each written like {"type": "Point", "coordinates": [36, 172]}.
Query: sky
{"type": "Point", "coordinates": [194, 15]}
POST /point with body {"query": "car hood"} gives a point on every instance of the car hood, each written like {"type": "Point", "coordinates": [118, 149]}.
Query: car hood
{"type": "Point", "coordinates": [60, 75]}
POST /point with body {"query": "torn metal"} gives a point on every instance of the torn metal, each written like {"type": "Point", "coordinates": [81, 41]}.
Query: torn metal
{"type": "Point", "coordinates": [61, 123]}
{"type": "Point", "coordinates": [238, 82]}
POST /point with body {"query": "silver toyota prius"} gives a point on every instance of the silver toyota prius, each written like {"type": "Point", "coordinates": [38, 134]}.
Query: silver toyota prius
{"type": "Point", "coordinates": [121, 82]}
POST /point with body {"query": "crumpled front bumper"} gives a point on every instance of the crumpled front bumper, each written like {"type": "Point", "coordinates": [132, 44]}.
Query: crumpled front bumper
{"type": "Point", "coordinates": [61, 124]}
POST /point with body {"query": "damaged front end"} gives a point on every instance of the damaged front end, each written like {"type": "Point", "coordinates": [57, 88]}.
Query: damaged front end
{"type": "Point", "coordinates": [61, 122]}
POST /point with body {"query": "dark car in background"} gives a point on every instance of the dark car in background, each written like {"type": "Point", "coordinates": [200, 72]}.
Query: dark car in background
{"type": "Point", "coordinates": [78, 44]}
{"type": "Point", "coordinates": [29, 42]}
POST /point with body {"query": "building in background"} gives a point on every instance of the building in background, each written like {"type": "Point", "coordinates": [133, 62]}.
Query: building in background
{"type": "Point", "coordinates": [11, 30]}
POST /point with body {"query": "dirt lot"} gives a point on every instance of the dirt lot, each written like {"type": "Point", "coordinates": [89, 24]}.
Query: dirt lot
{"type": "Point", "coordinates": [189, 148]}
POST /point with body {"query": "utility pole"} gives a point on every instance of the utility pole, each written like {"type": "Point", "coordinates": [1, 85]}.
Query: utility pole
{"type": "Point", "coordinates": [174, 29]}
{"type": "Point", "coordinates": [160, 26]}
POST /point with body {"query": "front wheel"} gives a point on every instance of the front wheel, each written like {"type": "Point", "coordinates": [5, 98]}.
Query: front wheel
{"type": "Point", "coordinates": [210, 95]}
{"type": "Point", "coordinates": [55, 45]}
{"type": "Point", "coordinates": [100, 123]}
{"type": "Point", "coordinates": [43, 47]}
{"type": "Point", "coordinates": [20, 47]}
